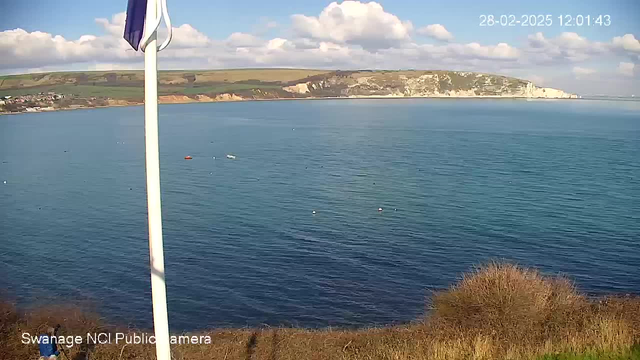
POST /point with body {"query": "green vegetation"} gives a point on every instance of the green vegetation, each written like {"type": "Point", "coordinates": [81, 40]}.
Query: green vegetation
{"type": "Point", "coordinates": [212, 89]}
{"type": "Point", "coordinates": [499, 311]}
{"type": "Point", "coordinates": [81, 90]}
{"type": "Point", "coordinates": [128, 85]}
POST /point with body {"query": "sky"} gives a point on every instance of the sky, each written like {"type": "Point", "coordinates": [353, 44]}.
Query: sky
{"type": "Point", "coordinates": [600, 56]}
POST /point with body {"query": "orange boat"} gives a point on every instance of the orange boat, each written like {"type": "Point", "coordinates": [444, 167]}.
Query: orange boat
{"type": "Point", "coordinates": [188, 157]}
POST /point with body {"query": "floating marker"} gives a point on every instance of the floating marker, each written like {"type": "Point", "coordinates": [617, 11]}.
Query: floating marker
{"type": "Point", "coordinates": [314, 212]}
{"type": "Point", "coordinates": [5, 181]}
{"type": "Point", "coordinates": [379, 209]}
{"type": "Point", "coordinates": [188, 157]}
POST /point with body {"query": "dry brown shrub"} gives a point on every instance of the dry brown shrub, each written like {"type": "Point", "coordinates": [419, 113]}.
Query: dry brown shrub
{"type": "Point", "coordinates": [509, 304]}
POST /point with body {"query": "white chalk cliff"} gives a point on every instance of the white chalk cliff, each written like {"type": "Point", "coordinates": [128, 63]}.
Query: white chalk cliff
{"type": "Point", "coordinates": [419, 84]}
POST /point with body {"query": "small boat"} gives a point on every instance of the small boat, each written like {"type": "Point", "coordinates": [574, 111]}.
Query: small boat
{"type": "Point", "coordinates": [188, 157]}
{"type": "Point", "coordinates": [232, 157]}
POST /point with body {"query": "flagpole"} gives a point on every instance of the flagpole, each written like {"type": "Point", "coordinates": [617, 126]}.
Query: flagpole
{"type": "Point", "coordinates": [156, 251]}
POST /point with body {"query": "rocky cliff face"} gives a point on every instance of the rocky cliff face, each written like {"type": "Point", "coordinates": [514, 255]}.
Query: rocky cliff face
{"type": "Point", "coordinates": [418, 84]}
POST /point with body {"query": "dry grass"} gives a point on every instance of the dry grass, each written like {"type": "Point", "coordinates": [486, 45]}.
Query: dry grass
{"type": "Point", "coordinates": [500, 311]}
{"type": "Point", "coordinates": [510, 305]}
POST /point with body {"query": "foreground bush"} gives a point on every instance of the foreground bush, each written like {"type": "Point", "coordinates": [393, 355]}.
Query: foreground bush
{"type": "Point", "coordinates": [505, 311]}
{"type": "Point", "coordinates": [508, 304]}
{"type": "Point", "coordinates": [499, 311]}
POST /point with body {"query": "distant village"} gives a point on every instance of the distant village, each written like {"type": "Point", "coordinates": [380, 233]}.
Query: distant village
{"type": "Point", "coordinates": [48, 101]}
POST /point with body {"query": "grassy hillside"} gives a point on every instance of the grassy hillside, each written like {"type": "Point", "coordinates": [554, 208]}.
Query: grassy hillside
{"type": "Point", "coordinates": [260, 83]}
{"type": "Point", "coordinates": [129, 85]}
{"type": "Point", "coordinates": [500, 311]}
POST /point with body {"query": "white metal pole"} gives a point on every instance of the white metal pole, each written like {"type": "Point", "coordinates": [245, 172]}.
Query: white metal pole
{"type": "Point", "coordinates": [156, 251]}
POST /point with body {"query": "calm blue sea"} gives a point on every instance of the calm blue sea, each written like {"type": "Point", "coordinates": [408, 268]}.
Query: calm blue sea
{"type": "Point", "coordinates": [551, 184]}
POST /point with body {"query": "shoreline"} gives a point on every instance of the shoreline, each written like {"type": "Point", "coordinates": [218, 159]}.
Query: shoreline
{"type": "Point", "coordinates": [480, 97]}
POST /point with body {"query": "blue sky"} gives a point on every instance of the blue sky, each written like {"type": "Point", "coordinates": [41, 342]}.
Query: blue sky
{"type": "Point", "coordinates": [569, 57]}
{"type": "Point", "coordinates": [220, 18]}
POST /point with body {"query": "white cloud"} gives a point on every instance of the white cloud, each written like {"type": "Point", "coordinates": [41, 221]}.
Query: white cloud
{"type": "Point", "coordinates": [627, 42]}
{"type": "Point", "coordinates": [243, 40]}
{"type": "Point", "coordinates": [566, 47]}
{"type": "Point", "coordinates": [354, 22]}
{"type": "Point", "coordinates": [571, 40]}
{"type": "Point", "coordinates": [581, 71]}
{"type": "Point", "coordinates": [20, 49]}
{"type": "Point", "coordinates": [626, 68]}
{"type": "Point", "coordinates": [502, 51]}
{"type": "Point", "coordinates": [276, 44]}
{"type": "Point", "coordinates": [186, 36]}
{"type": "Point", "coordinates": [436, 31]}
{"type": "Point", "coordinates": [468, 56]}
{"type": "Point", "coordinates": [115, 26]}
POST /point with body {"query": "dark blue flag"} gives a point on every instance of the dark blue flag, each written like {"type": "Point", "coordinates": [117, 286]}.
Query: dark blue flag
{"type": "Point", "coordinates": [134, 26]}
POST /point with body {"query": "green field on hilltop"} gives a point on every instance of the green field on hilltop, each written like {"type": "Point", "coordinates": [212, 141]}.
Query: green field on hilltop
{"type": "Point", "coordinates": [130, 84]}
{"type": "Point", "coordinates": [80, 90]}
{"type": "Point", "coordinates": [263, 84]}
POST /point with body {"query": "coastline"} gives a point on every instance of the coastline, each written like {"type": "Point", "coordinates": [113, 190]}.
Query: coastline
{"type": "Point", "coordinates": [317, 98]}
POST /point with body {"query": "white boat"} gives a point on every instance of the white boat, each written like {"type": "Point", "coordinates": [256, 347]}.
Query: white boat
{"type": "Point", "coordinates": [232, 157]}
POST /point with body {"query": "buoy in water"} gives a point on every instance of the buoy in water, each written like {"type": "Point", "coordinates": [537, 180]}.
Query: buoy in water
{"type": "Point", "coordinates": [5, 181]}
{"type": "Point", "coordinates": [380, 209]}
{"type": "Point", "coordinates": [188, 157]}
{"type": "Point", "coordinates": [313, 212]}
